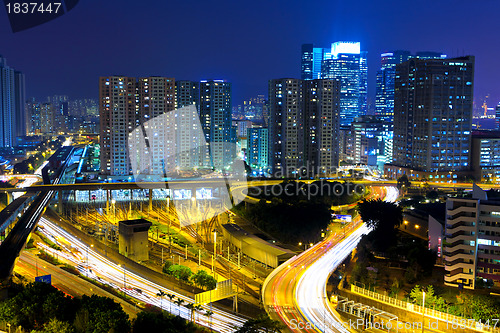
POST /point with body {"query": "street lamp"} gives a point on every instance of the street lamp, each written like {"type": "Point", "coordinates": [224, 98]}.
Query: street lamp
{"type": "Point", "coordinates": [423, 310]}
{"type": "Point", "coordinates": [215, 251]}
{"type": "Point", "coordinates": [124, 278]}
{"type": "Point", "coordinates": [113, 202]}
{"type": "Point", "coordinates": [87, 271]}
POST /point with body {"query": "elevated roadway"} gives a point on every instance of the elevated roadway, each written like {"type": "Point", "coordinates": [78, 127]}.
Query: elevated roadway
{"type": "Point", "coordinates": [295, 293]}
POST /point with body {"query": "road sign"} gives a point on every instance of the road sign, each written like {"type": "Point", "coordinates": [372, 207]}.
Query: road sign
{"type": "Point", "coordinates": [345, 218]}
{"type": "Point", "coordinates": [44, 278]}
{"type": "Point", "coordinates": [223, 290]}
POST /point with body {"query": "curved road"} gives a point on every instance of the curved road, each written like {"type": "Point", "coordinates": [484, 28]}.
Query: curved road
{"type": "Point", "coordinates": [295, 293]}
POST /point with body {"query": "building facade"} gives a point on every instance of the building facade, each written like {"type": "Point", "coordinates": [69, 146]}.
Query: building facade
{"type": "Point", "coordinates": [345, 62]}
{"type": "Point", "coordinates": [369, 142]}
{"type": "Point", "coordinates": [12, 104]}
{"type": "Point", "coordinates": [47, 119]}
{"type": "Point", "coordinates": [215, 116]}
{"type": "Point", "coordinates": [258, 149]}
{"type": "Point", "coordinates": [433, 114]}
{"type": "Point", "coordinates": [303, 126]}
{"type": "Point", "coordinates": [384, 102]}
{"type": "Point", "coordinates": [472, 245]}
{"type": "Point", "coordinates": [118, 116]}
{"type": "Point", "coordinates": [485, 156]}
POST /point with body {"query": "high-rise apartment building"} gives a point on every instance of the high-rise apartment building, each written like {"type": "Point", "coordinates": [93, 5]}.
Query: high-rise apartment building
{"type": "Point", "coordinates": [215, 116]}
{"type": "Point", "coordinates": [190, 139]}
{"type": "Point", "coordinates": [321, 125]}
{"type": "Point", "coordinates": [384, 102]}
{"type": "Point", "coordinates": [186, 93]}
{"type": "Point", "coordinates": [303, 126]}
{"type": "Point", "coordinates": [258, 149]}
{"type": "Point", "coordinates": [33, 109]}
{"type": "Point", "coordinates": [433, 114]}
{"type": "Point", "coordinates": [497, 116]}
{"type": "Point", "coordinates": [286, 125]}
{"type": "Point", "coordinates": [47, 119]}
{"type": "Point", "coordinates": [369, 142]}
{"type": "Point", "coordinates": [472, 247]}
{"type": "Point", "coordinates": [156, 100]}
{"type": "Point", "coordinates": [12, 104]}
{"type": "Point", "coordinates": [485, 156]}
{"type": "Point", "coordinates": [345, 62]}
{"type": "Point", "coordinates": [118, 116]}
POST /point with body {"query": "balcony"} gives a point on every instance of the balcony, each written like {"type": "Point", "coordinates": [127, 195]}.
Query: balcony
{"type": "Point", "coordinates": [460, 265]}
{"type": "Point", "coordinates": [460, 255]}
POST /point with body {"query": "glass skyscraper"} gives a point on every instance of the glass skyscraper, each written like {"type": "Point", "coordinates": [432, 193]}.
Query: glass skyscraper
{"type": "Point", "coordinates": [345, 62]}
{"type": "Point", "coordinates": [433, 114]}
{"type": "Point", "coordinates": [384, 102]}
{"type": "Point", "coordinates": [12, 104]}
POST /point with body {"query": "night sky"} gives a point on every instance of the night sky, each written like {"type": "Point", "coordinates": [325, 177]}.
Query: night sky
{"type": "Point", "coordinates": [246, 43]}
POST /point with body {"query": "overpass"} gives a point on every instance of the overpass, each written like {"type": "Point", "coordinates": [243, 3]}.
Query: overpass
{"type": "Point", "coordinates": [18, 236]}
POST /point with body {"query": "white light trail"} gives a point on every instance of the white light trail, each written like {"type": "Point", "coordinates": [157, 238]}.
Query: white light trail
{"type": "Point", "coordinates": [110, 273]}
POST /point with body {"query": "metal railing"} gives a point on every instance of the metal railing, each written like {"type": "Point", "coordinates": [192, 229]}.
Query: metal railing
{"type": "Point", "coordinates": [453, 321]}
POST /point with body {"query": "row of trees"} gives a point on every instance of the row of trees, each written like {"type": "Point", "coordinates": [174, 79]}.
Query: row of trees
{"type": "Point", "coordinates": [474, 306]}
{"type": "Point", "coordinates": [41, 308]}
{"type": "Point", "coordinates": [179, 302]}
{"type": "Point", "coordinates": [384, 218]}
{"type": "Point", "coordinates": [201, 279]}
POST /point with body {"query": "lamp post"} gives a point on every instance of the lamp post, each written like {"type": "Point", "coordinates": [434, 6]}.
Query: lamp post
{"type": "Point", "coordinates": [87, 271]}
{"type": "Point", "coordinates": [113, 202]}
{"type": "Point", "coordinates": [124, 278]}
{"type": "Point", "coordinates": [423, 310]}
{"type": "Point", "coordinates": [215, 252]}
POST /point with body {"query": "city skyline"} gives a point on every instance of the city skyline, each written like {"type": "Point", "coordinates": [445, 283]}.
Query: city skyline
{"type": "Point", "coordinates": [192, 56]}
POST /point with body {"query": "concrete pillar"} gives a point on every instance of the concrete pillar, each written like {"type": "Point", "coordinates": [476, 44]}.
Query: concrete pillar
{"type": "Point", "coordinates": [107, 202]}
{"type": "Point", "coordinates": [150, 206]}
{"type": "Point", "coordinates": [60, 202]}
{"type": "Point", "coordinates": [10, 198]}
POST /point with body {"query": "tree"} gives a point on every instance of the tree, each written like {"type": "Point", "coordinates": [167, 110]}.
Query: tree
{"type": "Point", "coordinates": [190, 307]}
{"type": "Point", "coordinates": [209, 315]}
{"type": "Point", "coordinates": [383, 217]}
{"type": "Point", "coordinates": [170, 297]}
{"type": "Point", "coordinates": [180, 272]}
{"type": "Point", "coordinates": [35, 305]}
{"type": "Point", "coordinates": [403, 182]}
{"type": "Point", "coordinates": [166, 266]}
{"type": "Point", "coordinates": [56, 326]}
{"type": "Point", "coordinates": [179, 302]}
{"type": "Point", "coordinates": [104, 314]}
{"type": "Point", "coordinates": [161, 294]}
{"type": "Point", "coordinates": [260, 324]}
{"type": "Point", "coordinates": [204, 280]}
{"type": "Point", "coordinates": [157, 323]}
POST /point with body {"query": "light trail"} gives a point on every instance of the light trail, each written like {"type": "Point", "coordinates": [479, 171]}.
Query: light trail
{"type": "Point", "coordinates": [107, 272]}
{"type": "Point", "coordinates": [295, 293]}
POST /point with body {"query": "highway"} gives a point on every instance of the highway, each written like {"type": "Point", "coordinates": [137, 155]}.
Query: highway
{"type": "Point", "coordinates": [98, 267]}
{"type": "Point", "coordinates": [295, 293]}
{"type": "Point", "coordinates": [30, 266]}
{"type": "Point", "coordinates": [17, 237]}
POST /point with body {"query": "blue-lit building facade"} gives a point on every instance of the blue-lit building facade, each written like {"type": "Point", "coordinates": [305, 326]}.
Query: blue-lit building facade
{"type": "Point", "coordinates": [258, 150]}
{"type": "Point", "coordinates": [12, 105]}
{"type": "Point", "coordinates": [369, 142]}
{"type": "Point", "coordinates": [384, 101]}
{"type": "Point", "coordinates": [345, 62]}
{"type": "Point", "coordinates": [215, 116]}
{"type": "Point", "coordinates": [433, 102]}
{"type": "Point", "coordinates": [485, 156]}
